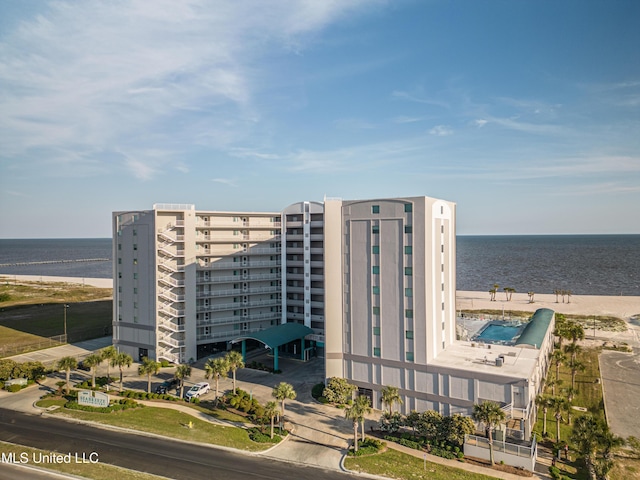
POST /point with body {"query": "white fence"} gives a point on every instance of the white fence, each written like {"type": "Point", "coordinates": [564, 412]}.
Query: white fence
{"type": "Point", "coordinates": [510, 453]}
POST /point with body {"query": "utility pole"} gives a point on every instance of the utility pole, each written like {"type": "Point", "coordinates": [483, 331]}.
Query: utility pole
{"type": "Point", "coordinates": [65, 322]}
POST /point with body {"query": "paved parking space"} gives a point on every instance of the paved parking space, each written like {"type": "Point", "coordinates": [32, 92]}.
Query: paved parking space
{"type": "Point", "coordinates": [621, 384]}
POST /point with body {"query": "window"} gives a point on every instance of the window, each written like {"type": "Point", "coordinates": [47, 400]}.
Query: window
{"type": "Point", "coordinates": [375, 249]}
{"type": "Point", "coordinates": [135, 276]}
{"type": "Point", "coordinates": [135, 290]}
{"type": "Point", "coordinates": [375, 208]}
{"type": "Point", "coordinates": [408, 229]}
{"type": "Point", "coordinates": [408, 250]}
{"type": "Point", "coordinates": [119, 261]}
{"type": "Point", "coordinates": [376, 290]}
{"type": "Point", "coordinates": [408, 207]}
{"type": "Point", "coordinates": [408, 271]}
{"type": "Point", "coordinates": [135, 261]}
{"type": "Point", "coordinates": [409, 356]}
{"type": "Point", "coordinates": [376, 310]}
{"type": "Point", "coordinates": [409, 334]}
{"type": "Point", "coordinates": [375, 269]}
{"type": "Point", "coordinates": [119, 246]}
{"type": "Point", "coordinates": [408, 292]}
{"type": "Point", "coordinates": [376, 330]}
{"type": "Point", "coordinates": [375, 229]}
{"type": "Point", "coordinates": [408, 313]}
{"type": "Point", "coordinates": [376, 351]}
{"type": "Point", "coordinates": [135, 246]}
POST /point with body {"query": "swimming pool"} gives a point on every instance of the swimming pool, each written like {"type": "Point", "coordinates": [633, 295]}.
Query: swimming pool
{"type": "Point", "coordinates": [498, 333]}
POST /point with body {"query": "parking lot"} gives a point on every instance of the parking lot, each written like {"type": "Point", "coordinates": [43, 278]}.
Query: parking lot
{"type": "Point", "coordinates": [621, 378]}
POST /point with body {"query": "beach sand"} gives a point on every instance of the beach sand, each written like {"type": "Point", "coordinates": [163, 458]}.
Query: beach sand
{"type": "Point", "coordinates": [623, 307]}
{"type": "Point", "coordinates": [94, 282]}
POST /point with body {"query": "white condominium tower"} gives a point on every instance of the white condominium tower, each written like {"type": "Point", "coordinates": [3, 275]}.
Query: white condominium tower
{"type": "Point", "coordinates": [187, 280]}
{"type": "Point", "coordinates": [389, 292]}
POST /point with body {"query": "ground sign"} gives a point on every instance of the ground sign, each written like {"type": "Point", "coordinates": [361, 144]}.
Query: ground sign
{"type": "Point", "coordinates": [93, 399]}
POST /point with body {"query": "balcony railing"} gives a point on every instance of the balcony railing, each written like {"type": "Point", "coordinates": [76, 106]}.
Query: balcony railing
{"type": "Point", "coordinates": [240, 278]}
{"type": "Point", "coordinates": [237, 291]}
{"type": "Point", "coordinates": [238, 305]}
{"type": "Point", "coordinates": [173, 327]}
{"type": "Point", "coordinates": [240, 319]}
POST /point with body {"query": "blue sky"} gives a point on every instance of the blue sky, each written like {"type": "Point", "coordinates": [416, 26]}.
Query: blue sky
{"type": "Point", "coordinates": [524, 113]}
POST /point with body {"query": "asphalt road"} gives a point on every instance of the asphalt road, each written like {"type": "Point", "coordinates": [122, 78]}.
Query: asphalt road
{"type": "Point", "coordinates": [168, 458]}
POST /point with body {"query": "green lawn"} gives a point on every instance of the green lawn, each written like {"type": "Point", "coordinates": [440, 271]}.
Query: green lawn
{"type": "Point", "coordinates": [31, 312]}
{"type": "Point", "coordinates": [589, 394]}
{"type": "Point", "coordinates": [394, 464]}
{"type": "Point", "coordinates": [171, 423]}
{"type": "Point", "coordinates": [98, 471]}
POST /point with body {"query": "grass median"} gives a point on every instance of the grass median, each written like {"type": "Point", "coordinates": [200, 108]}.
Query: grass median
{"type": "Point", "coordinates": [170, 423]}
{"type": "Point", "coordinates": [394, 464]}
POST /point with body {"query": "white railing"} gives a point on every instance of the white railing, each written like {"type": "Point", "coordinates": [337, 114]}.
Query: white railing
{"type": "Point", "coordinates": [240, 319]}
{"type": "Point", "coordinates": [502, 446]}
{"type": "Point", "coordinates": [240, 278]}
{"type": "Point", "coordinates": [171, 296]}
{"type": "Point", "coordinates": [235, 292]}
{"type": "Point", "coordinates": [238, 305]}
{"type": "Point", "coordinates": [229, 335]}
{"type": "Point", "coordinates": [171, 326]}
{"type": "Point", "coordinates": [171, 341]}
{"type": "Point", "coordinates": [171, 281]}
{"type": "Point", "coordinates": [174, 206]}
{"type": "Point", "coordinates": [171, 311]}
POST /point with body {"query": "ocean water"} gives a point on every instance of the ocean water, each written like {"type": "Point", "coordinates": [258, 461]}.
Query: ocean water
{"type": "Point", "coordinates": [584, 264]}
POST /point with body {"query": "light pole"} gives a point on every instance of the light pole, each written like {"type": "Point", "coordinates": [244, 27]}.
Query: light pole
{"type": "Point", "coordinates": [65, 322]}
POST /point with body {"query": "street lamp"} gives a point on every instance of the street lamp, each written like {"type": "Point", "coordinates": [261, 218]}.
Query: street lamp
{"type": "Point", "coordinates": [65, 321]}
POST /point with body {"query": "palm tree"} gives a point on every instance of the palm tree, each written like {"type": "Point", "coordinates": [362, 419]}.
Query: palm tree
{"type": "Point", "coordinates": [558, 405]}
{"type": "Point", "coordinates": [491, 415]}
{"type": "Point", "coordinates": [389, 396]}
{"type": "Point", "coordinates": [544, 403]}
{"type": "Point", "coordinates": [121, 360]}
{"type": "Point", "coordinates": [148, 367]}
{"type": "Point", "coordinates": [561, 329]}
{"type": "Point", "coordinates": [92, 361]}
{"type": "Point", "coordinates": [67, 364]}
{"type": "Point", "coordinates": [182, 371]}
{"type": "Point", "coordinates": [271, 412]}
{"type": "Point", "coordinates": [558, 357]}
{"type": "Point", "coordinates": [356, 413]}
{"type": "Point", "coordinates": [235, 361]}
{"type": "Point", "coordinates": [108, 354]}
{"type": "Point", "coordinates": [364, 404]}
{"type": "Point", "coordinates": [284, 391]}
{"type": "Point", "coordinates": [575, 332]}
{"type": "Point", "coordinates": [531, 295]}
{"type": "Point", "coordinates": [216, 368]}
{"type": "Point", "coordinates": [575, 366]}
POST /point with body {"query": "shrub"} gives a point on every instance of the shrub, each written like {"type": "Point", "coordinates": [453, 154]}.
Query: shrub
{"type": "Point", "coordinates": [369, 446]}
{"type": "Point", "coordinates": [338, 390]}
{"type": "Point", "coordinates": [165, 364]}
{"type": "Point", "coordinates": [122, 404]}
{"type": "Point", "coordinates": [410, 443]}
{"type": "Point", "coordinates": [257, 436]}
{"type": "Point", "coordinates": [14, 388]}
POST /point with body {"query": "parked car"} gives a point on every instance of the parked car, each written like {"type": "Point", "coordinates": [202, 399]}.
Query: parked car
{"type": "Point", "coordinates": [167, 385]}
{"type": "Point", "coordinates": [82, 366]}
{"type": "Point", "coordinates": [197, 390]}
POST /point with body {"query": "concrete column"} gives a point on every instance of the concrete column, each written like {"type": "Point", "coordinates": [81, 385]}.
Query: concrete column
{"type": "Point", "coordinates": [275, 358]}
{"type": "Point", "coordinates": [244, 351]}
{"type": "Point", "coordinates": [302, 349]}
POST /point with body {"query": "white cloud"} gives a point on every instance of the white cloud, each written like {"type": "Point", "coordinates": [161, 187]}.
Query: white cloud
{"type": "Point", "coordinates": [480, 122]}
{"type": "Point", "coordinates": [441, 131]}
{"type": "Point", "coordinates": [121, 76]}
{"type": "Point", "coordinates": [406, 119]}
{"type": "Point", "coordinates": [225, 181]}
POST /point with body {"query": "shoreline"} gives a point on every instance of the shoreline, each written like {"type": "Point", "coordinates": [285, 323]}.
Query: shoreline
{"type": "Point", "coordinates": [621, 306]}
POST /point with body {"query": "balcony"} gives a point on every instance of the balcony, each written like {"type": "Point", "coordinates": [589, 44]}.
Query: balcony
{"type": "Point", "coordinates": [240, 278]}
{"type": "Point", "coordinates": [237, 291]}
{"type": "Point", "coordinates": [171, 267]}
{"type": "Point", "coordinates": [272, 302]}
{"type": "Point", "coordinates": [238, 319]}
{"type": "Point", "coordinates": [171, 253]}
{"type": "Point", "coordinates": [221, 265]}
{"type": "Point", "coordinates": [167, 280]}
{"type": "Point", "coordinates": [172, 312]}
{"type": "Point", "coordinates": [228, 335]}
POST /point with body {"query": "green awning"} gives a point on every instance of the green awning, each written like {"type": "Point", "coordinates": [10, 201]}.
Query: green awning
{"type": "Point", "coordinates": [276, 336]}
{"type": "Point", "coordinates": [537, 328]}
